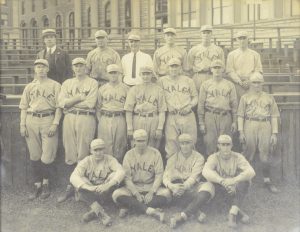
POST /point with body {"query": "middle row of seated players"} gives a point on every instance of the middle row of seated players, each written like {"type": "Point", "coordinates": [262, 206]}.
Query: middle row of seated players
{"type": "Point", "coordinates": [147, 186]}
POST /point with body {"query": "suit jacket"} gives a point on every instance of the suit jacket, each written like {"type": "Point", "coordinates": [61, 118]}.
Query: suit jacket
{"type": "Point", "coordinates": [60, 67]}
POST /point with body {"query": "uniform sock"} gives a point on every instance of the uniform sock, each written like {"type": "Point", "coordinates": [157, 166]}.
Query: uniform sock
{"type": "Point", "coordinates": [45, 181]}
{"type": "Point", "coordinates": [46, 170]}
{"type": "Point", "coordinates": [234, 210]}
{"type": "Point", "coordinates": [158, 202]}
{"type": "Point", "coordinates": [132, 204]}
{"type": "Point", "coordinates": [38, 185]}
{"type": "Point", "coordinates": [36, 171]}
{"type": "Point", "coordinates": [266, 170]}
{"type": "Point", "coordinates": [196, 203]}
{"type": "Point", "coordinates": [267, 180]}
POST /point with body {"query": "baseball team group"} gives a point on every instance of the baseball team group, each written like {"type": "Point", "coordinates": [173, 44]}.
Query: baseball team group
{"type": "Point", "coordinates": [133, 128]}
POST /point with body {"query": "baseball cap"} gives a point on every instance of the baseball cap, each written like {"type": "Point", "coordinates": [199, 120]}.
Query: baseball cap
{"type": "Point", "coordinates": [241, 34]}
{"type": "Point", "coordinates": [224, 139]}
{"type": "Point", "coordinates": [140, 134]}
{"type": "Point", "coordinates": [97, 143]}
{"type": "Point", "coordinates": [217, 63]}
{"type": "Point", "coordinates": [48, 32]}
{"type": "Point", "coordinates": [173, 61]}
{"type": "Point", "coordinates": [78, 60]}
{"type": "Point", "coordinates": [100, 33]}
{"type": "Point", "coordinates": [113, 68]}
{"type": "Point", "coordinates": [185, 138]}
{"type": "Point", "coordinates": [146, 68]}
{"type": "Point", "coordinates": [134, 37]}
{"type": "Point", "coordinates": [256, 77]}
{"type": "Point", "coordinates": [206, 28]}
{"type": "Point", "coordinates": [170, 30]}
{"type": "Point", "coordinates": [41, 61]}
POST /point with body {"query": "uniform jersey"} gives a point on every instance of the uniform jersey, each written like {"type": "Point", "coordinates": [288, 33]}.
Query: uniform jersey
{"type": "Point", "coordinates": [217, 94]}
{"type": "Point", "coordinates": [73, 87]}
{"type": "Point", "coordinates": [184, 169]}
{"type": "Point", "coordinates": [40, 96]}
{"type": "Point", "coordinates": [143, 169]}
{"type": "Point", "coordinates": [162, 56]}
{"type": "Point", "coordinates": [243, 63]}
{"type": "Point", "coordinates": [237, 164]}
{"type": "Point", "coordinates": [88, 171]}
{"type": "Point", "coordinates": [112, 98]}
{"type": "Point", "coordinates": [146, 98]}
{"type": "Point", "coordinates": [258, 105]}
{"type": "Point", "coordinates": [97, 61]}
{"type": "Point", "coordinates": [178, 92]}
{"type": "Point", "coordinates": [200, 57]}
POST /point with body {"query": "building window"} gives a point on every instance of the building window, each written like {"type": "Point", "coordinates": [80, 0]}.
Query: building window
{"type": "Point", "coordinates": [33, 5]}
{"type": "Point", "coordinates": [23, 7]}
{"type": "Point", "coordinates": [45, 21]}
{"type": "Point", "coordinates": [34, 32]}
{"type": "Point", "coordinates": [24, 34]}
{"type": "Point", "coordinates": [161, 14]}
{"type": "Point", "coordinates": [107, 16]}
{"type": "Point", "coordinates": [188, 13]}
{"type": "Point", "coordinates": [89, 24]}
{"type": "Point", "coordinates": [4, 19]}
{"type": "Point", "coordinates": [222, 12]}
{"type": "Point", "coordinates": [44, 4]}
{"type": "Point", "coordinates": [127, 15]}
{"type": "Point", "coordinates": [291, 8]}
{"type": "Point", "coordinates": [58, 25]}
{"type": "Point", "coordinates": [259, 11]}
{"type": "Point", "coordinates": [71, 27]}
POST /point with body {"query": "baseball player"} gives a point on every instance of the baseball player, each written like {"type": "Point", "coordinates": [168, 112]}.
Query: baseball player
{"type": "Point", "coordinates": [258, 125]}
{"type": "Point", "coordinates": [132, 61]}
{"type": "Point", "coordinates": [40, 117]}
{"type": "Point", "coordinates": [110, 113]}
{"type": "Point", "coordinates": [217, 106]}
{"type": "Point", "coordinates": [229, 173]}
{"type": "Point", "coordinates": [144, 170]}
{"type": "Point", "coordinates": [99, 58]}
{"type": "Point", "coordinates": [241, 63]}
{"type": "Point", "coordinates": [145, 108]}
{"type": "Point", "coordinates": [94, 178]}
{"type": "Point", "coordinates": [201, 56]}
{"type": "Point", "coordinates": [162, 55]}
{"type": "Point", "coordinates": [181, 96]}
{"type": "Point", "coordinates": [78, 98]}
{"type": "Point", "coordinates": [182, 176]}
{"type": "Point", "coordinates": [59, 61]}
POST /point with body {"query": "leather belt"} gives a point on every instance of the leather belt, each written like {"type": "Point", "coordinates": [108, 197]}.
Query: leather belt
{"type": "Point", "coordinates": [111, 114]}
{"type": "Point", "coordinates": [175, 112]}
{"type": "Point", "coordinates": [81, 112]}
{"type": "Point", "coordinates": [41, 115]}
{"type": "Point", "coordinates": [145, 115]}
{"type": "Point", "coordinates": [258, 119]}
{"type": "Point", "coordinates": [217, 111]}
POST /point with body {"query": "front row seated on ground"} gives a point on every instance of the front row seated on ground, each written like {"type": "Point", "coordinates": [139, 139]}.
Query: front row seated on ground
{"type": "Point", "coordinates": [98, 176]}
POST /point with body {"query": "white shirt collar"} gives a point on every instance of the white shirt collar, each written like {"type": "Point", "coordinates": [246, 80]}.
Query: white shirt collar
{"type": "Point", "coordinates": [52, 49]}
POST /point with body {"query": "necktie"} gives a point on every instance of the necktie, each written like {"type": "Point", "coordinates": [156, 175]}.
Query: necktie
{"type": "Point", "coordinates": [48, 53]}
{"type": "Point", "coordinates": [134, 65]}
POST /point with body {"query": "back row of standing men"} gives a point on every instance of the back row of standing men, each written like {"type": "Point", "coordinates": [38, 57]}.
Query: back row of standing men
{"type": "Point", "coordinates": [148, 90]}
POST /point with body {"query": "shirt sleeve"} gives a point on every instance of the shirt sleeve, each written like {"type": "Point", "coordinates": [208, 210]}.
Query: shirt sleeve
{"type": "Point", "coordinates": [78, 177]}
{"type": "Point", "coordinates": [91, 97]}
{"type": "Point", "coordinates": [63, 95]}
{"type": "Point", "coordinates": [89, 62]}
{"type": "Point", "coordinates": [162, 105]}
{"type": "Point", "coordinates": [196, 172]}
{"type": "Point", "coordinates": [117, 168]}
{"type": "Point", "coordinates": [230, 68]}
{"type": "Point", "coordinates": [130, 99]}
{"type": "Point", "coordinates": [201, 103]}
{"type": "Point", "coordinates": [258, 65]}
{"type": "Point", "coordinates": [156, 62]}
{"type": "Point", "coordinates": [241, 108]}
{"type": "Point", "coordinates": [170, 167]}
{"type": "Point", "coordinates": [274, 108]}
{"type": "Point", "coordinates": [233, 101]}
{"type": "Point", "coordinates": [209, 170]}
{"type": "Point", "coordinates": [57, 93]}
{"type": "Point", "coordinates": [25, 99]}
{"type": "Point", "coordinates": [246, 172]}
{"type": "Point", "coordinates": [194, 92]}
{"type": "Point", "coordinates": [190, 59]}
{"type": "Point", "coordinates": [99, 99]}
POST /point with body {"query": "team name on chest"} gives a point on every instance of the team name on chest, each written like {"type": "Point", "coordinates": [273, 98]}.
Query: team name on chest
{"type": "Point", "coordinates": [208, 54]}
{"type": "Point", "coordinates": [142, 167]}
{"type": "Point", "coordinates": [77, 91]}
{"type": "Point", "coordinates": [218, 92]}
{"type": "Point", "coordinates": [177, 89]}
{"type": "Point", "coordinates": [42, 93]}
{"type": "Point", "coordinates": [140, 99]}
{"type": "Point", "coordinates": [258, 104]}
{"type": "Point", "coordinates": [183, 168]}
{"type": "Point", "coordinates": [108, 97]}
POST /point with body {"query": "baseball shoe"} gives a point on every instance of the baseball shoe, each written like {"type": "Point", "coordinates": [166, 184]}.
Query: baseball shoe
{"type": "Point", "coordinates": [36, 191]}
{"type": "Point", "coordinates": [45, 191]}
{"type": "Point", "coordinates": [105, 219]}
{"type": "Point", "coordinates": [271, 187]}
{"type": "Point", "coordinates": [202, 217]}
{"type": "Point", "coordinates": [158, 214]}
{"type": "Point", "coordinates": [67, 194]}
{"type": "Point", "coordinates": [88, 216]}
{"type": "Point", "coordinates": [123, 213]}
{"type": "Point", "coordinates": [232, 221]}
{"type": "Point", "coordinates": [175, 220]}
{"type": "Point", "coordinates": [244, 217]}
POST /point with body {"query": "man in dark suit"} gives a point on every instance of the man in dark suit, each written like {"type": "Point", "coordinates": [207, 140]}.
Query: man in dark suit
{"type": "Point", "coordinates": [60, 67]}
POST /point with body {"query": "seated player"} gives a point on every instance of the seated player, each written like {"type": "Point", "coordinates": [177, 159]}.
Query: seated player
{"type": "Point", "coordinates": [94, 179]}
{"type": "Point", "coordinates": [182, 176]}
{"type": "Point", "coordinates": [142, 192]}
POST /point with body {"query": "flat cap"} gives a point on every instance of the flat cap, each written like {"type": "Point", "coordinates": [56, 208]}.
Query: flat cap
{"type": "Point", "coordinates": [113, 68]}
{"type": "Point", "coordinates": [241, 34]}
{"type": "Point", "coordinates": [140, 134]}
{"type": "Point", "coordinates": [146, 68]}
{"type": "Point", "coordinates": [173, 61]}
{"type": "Point", "coordinates": [41, 61]}
{"type": "Point", "coordinates": [217, 63]}
{"type": "Point", "coordinates": [100, 33]}
{"type": "Point", "coordinates": [134, 37]}
{"type": "Point", "coordinates": [256, 77]}
{"type": "Point", "coordinates": [185, 138]}
{"type": "Point", "coordinates": [78, 60]}
{"type": "Point", "coordinates": [48, 32]}
{"type": "Point", "coordinates": [224, 139]}
{"type": "Point", "coordinates": [97, 143]}
{"type": "Point", "coordinates": [170, 30]}
{"type": "Point", "coordinates": [206, 28]}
